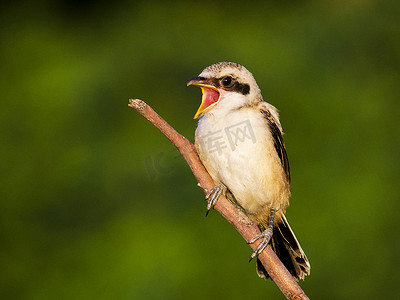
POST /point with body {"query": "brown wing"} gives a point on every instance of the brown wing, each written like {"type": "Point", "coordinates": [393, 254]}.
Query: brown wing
{"type": "Point", "coordinates": [278, 141]}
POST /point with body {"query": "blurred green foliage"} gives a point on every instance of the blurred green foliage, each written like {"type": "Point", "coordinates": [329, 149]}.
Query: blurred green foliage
{"type": "Point", "coordinates": [97, 204]}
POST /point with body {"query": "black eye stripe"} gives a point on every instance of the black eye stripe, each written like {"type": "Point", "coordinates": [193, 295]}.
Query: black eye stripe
{"type": "Point", "coordinates": [242, 88]}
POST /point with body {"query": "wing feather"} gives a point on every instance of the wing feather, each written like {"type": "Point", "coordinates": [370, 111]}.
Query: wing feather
{"type": "Point", "coordinates": [278, 141]}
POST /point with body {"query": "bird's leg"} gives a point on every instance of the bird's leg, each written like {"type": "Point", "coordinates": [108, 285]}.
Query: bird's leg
{"type": "Point", "coordinates": [213, 195]}
{"type": "Point", "coordinates": [266, 235]}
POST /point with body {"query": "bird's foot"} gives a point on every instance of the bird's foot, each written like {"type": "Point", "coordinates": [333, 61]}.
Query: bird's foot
{"type": "Point", "coordinates": [213, 195]}
{"type": "Point", "coordinates": [266, 236]}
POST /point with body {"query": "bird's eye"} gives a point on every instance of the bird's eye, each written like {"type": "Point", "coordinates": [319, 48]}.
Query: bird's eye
{"type": "Point", "coordinates": [227, 81]}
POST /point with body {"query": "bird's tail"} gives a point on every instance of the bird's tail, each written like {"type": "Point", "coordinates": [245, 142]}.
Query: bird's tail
{"type": "Point", "coordinates": [287, 248]}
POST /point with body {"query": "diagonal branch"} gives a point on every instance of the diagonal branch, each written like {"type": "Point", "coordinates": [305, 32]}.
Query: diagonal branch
{"type": "Point", "coordinates": [276, 270]}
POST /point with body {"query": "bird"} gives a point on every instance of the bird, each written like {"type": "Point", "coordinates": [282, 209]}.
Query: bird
{"type": "Point", "coordinates": [239, 141]}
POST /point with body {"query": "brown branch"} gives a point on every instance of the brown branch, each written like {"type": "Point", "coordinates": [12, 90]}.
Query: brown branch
{"type": "Point", "coordinates": [276, 270]}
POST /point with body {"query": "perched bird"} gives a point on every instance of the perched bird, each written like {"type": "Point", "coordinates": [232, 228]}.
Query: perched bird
{"type": "Point", "coordinates": [239, 141]}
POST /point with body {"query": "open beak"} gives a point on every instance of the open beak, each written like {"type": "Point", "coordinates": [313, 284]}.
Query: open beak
{"type": "Point", "coordinates": [210, 97]}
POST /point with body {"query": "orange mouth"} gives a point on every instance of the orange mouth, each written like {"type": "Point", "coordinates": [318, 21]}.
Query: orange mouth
{"type": "Point", "coordinates": [210, 98]}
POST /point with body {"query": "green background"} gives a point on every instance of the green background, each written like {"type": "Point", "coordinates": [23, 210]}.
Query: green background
{"type": "Point", "coordinates": [97, 204]}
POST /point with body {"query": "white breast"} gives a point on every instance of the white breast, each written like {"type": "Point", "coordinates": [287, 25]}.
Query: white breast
{"type": "Point", "coordinates": [237, 149]}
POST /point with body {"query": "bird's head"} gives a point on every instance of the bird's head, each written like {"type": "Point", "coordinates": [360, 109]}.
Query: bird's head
{"type": "Point", "coordinates": [226, 85]}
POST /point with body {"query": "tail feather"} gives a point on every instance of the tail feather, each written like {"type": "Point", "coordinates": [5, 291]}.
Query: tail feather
{"type": "Point", "coordinates": [288, 249]}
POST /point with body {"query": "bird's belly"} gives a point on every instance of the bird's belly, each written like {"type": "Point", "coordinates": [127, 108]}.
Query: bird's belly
{"type": "Point", "coordinates": [240, 158]}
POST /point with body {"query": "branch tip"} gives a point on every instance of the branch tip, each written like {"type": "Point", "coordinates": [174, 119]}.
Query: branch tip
{"type": "Point", "coordinates": [137, 104]}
